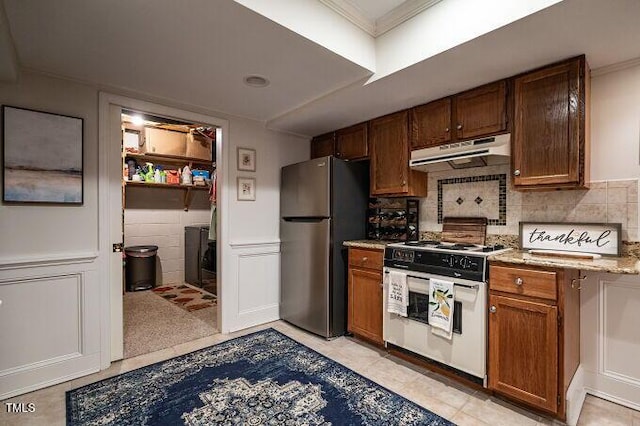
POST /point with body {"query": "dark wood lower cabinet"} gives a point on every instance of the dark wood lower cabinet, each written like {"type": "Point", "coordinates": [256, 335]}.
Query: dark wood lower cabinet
{"type": "Point", "coordinates": [534, 335]}
{"type": "Point", "coordinates": [365, 304]}
{"type": "Point", "coordinates": [523, 358]}
{"type": "Point", "coordinates": [364, 316]}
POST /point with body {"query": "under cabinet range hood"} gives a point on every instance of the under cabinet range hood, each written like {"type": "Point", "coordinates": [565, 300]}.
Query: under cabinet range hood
{"type": "Point", "coordinates": [460, 155]}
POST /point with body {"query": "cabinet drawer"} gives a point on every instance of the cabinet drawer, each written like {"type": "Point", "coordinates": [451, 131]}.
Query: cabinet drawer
{"type": "Point", "coordinates": [526, 282]}
{"type": "Point", "coordinates": [363, 258]}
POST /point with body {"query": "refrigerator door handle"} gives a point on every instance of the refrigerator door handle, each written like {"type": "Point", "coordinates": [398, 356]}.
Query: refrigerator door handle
{"type": "Point", "coordinates": [309, 219]}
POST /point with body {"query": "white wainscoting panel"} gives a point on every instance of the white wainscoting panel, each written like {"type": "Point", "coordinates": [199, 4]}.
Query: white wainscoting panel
{"type": "Point", "coordinates": [621, 336]}
{"type": "Point", "coordinates": [610, 337]}
{"type": "Point", "coordinates": [50, 321]}
{"type": "Point", "coordinates": [256, 288]}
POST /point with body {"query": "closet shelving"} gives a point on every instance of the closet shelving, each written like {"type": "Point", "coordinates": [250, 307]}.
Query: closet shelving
{"type": "Point", "coordinates": [168, 160]}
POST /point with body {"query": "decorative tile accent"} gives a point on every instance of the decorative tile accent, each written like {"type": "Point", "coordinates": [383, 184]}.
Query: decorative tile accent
{"type": "Point", "coordinates": [501, 220]}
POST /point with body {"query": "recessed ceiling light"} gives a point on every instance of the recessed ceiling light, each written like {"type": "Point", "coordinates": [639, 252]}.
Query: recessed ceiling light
{"type": "Point", "coordinates": [256, 81]}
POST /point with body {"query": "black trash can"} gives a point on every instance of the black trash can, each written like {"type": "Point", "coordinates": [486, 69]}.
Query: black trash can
{"type": "Point", "coordinates": [140, 270]}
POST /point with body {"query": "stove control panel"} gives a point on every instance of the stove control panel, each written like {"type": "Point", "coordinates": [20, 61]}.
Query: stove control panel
{"type": "Point", "coordinates": [465, 266]}
{"type": "Point", "coordinates": [403, 255]}
{"type": "Point", "coordinates": [456, 261]}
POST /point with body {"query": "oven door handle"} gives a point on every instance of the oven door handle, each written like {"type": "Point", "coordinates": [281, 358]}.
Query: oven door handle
{"type": "Point", "coordinates": [470, 286]}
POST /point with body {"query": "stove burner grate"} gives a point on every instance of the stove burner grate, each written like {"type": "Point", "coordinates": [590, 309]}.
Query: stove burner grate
{"type": "Point", "coordinates": [422, 243]}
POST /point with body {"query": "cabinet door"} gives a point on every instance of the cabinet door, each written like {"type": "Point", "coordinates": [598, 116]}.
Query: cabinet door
{"type": "Point", "coordinates": [351, 143]}
{"type": "Point", "coordinates": [389, 138]}
{"type": "Point", "coordinates": [365, 303]}
{"type": "Point", "coordinates": [323, 145]}
{"type": "Point", "coordinates": [431, 124]}
{"type": "Point", "coordinates": [523, 351]}
{"type": "Point", "coordinates": [549, 127]}
{"type": "Point", "coordinates": [482, 111]}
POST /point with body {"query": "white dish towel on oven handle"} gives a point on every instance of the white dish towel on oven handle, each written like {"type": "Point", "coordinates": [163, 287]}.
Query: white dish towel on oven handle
{"type": "Point", "coordinates": [397, 292]}
{"type": "Point", "coordinates": [441, 304]}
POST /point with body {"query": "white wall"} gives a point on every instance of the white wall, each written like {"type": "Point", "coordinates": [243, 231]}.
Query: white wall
{"type": "Point", "coordinates": [57, 246]}
{"type": "Point", "coordinates": [42, 231]}
{"type": "Point", "coordinates": [444, 26]}
{"type": "Point", "coordinates": [615, 124]}
{"type": "Point", "coordinates": [49, 275]}
{"type": "Point", "coordinates": [253, 263]}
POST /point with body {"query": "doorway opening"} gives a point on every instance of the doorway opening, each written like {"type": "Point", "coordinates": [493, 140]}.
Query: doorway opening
{"type": "Point", "coordinates": [169, 194]}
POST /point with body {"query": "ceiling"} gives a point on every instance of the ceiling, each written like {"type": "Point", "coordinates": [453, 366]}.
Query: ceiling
{"type": "Point", "coordinates": [198, 55]}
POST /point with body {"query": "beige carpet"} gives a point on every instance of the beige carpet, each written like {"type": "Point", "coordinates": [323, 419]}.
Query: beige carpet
{"type": "Point", "coordinates": [151, 323]}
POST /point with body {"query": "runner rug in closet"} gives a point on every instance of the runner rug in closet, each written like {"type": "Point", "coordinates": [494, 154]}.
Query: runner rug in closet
{"type": "Point", "coordinates": [187, 297]}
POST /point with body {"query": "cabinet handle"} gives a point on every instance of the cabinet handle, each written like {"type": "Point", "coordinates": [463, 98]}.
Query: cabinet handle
{"type": "Point", "coordinates": [446, 130]}
{"type": "Point", "coordinates": [492, 309]}
{"type": "Point", "coordinates": [518, 281]}
{"type": "Point", "coordinates": [364, 259]}
{"type": "Point", "coordinates": [516, 172]}
{"type": "Point", "coordinates": [459, 126]}
{"type": "Point", "coordinates": [404, 182]}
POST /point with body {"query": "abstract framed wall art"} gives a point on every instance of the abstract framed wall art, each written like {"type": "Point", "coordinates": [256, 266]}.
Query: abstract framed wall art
{"type": "Point", "coordinates": [42, 157]}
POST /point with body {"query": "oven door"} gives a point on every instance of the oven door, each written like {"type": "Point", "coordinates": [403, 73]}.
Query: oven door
{"type": "Point", "coordinates": [466, 350]}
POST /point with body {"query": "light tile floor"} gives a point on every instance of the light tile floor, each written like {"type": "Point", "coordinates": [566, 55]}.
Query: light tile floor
{"type": "Point", "coordinates": [449, 399]}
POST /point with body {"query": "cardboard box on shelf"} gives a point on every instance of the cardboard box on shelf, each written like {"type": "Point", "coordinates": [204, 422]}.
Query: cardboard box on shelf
{"type": "Point", "coordinates": [199, 146]}
{"type": "Point", "coordinates": [165, 142]}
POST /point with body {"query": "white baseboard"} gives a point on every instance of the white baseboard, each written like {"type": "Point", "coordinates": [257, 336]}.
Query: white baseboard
{"type": "Point", "coordinates": [258, 316]}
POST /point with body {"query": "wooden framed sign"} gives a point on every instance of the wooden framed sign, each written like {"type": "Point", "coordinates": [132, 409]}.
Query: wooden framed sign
{"type": "Point", "coordinates": [597, 238]}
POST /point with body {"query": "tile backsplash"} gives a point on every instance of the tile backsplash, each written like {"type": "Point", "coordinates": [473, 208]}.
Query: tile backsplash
{"type": "Point", "coordinates": [486, 191]}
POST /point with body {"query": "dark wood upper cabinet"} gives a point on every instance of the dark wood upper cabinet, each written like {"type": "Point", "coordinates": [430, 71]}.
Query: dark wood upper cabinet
{"type": "Point", "coordinates": [323, 145]}
{"type": "Point", "coordinates": [550, 144]}
{"type": "Point", "coordinates": [390, 173]}
{"type": "Point", "coordinates": [431, 124]}
{"type": "Point", "coordinates": [481, 111]}
{"type": "Point", "coordinates": [351, 142]}
{"type": "Point", "coordinates": [472, 114]}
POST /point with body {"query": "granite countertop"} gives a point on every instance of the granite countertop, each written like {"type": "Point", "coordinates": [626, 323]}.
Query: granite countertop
{"type": "Point", "coordinates": [367, 244]}
{"type": "Point", "coordinates": [614, 265]}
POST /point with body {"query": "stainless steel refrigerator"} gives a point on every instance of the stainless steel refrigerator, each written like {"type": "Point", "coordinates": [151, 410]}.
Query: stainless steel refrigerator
{"type": "Point", "coordinates": [323, 202]}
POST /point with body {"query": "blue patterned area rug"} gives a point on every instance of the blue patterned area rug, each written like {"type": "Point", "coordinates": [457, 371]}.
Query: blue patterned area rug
{"type": "Point", "coordinates": [264, 378]}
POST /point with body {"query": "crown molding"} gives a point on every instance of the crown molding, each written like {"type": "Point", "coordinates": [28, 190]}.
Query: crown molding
{"type": "Point", "coordinates": [401, 14]}
{"type": "Point", "coordinates": [352, 14]}
{"type": "Point", "coordinates": [388, 21]}
{"type": "Point", "coordinates": [615, 67]}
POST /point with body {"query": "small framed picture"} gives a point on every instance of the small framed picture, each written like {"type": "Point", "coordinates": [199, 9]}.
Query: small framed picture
{"type": "Point", "coordinates": [246, 189]}
{"type": "Point", "coordinates": [247, 159]}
